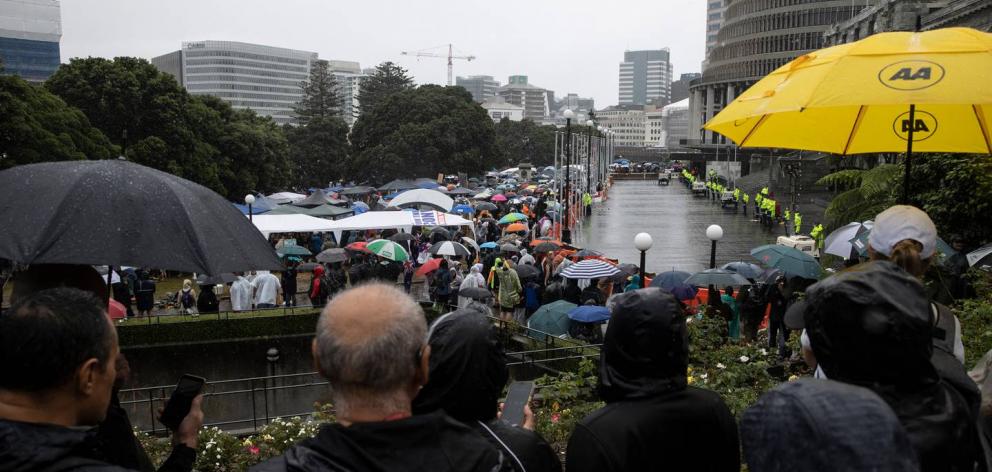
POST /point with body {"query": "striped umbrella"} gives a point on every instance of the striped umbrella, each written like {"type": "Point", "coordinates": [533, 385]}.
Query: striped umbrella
{"type": "Point", "coordinates": [589, 269]}
{"type": "Point", "coordinates": [387, 249]}
{"type": "Point", "coordinates": [449, 248]}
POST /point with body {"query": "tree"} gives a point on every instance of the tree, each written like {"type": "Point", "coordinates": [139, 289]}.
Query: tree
{"type": "Point", "coordinates": [320, 95]}
{"type": "Point", "coordinates": [525, 141]}
{"type": "Point", "coordinates": [318, 151]}
{"type": "Point", "coordinates": [422, 131]}
{"type": "Point", "coordinates": [36, 126]}
{"type": "Point", "coordinates": [387, 79]}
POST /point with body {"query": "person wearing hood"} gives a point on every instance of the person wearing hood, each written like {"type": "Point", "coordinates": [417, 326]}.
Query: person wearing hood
{"type": "Point", "coordinates": [207, 301]}
{"type": "Point", "coordinates": [634, 284]}
{"type": "Point", "coordinates": [864, 434]}
{"type": "Point", "coordinates": [61, 351]}
{"type": "Point", "coordinates": [653, 420]}
{"type": "Point", "coordinates": [509, 290]}
{"type": "Point", "coordinates": [526, 258]}
{"type": "Point", "coordinates": [371, 347]}
{"type": "Point", "coordinates": [472, 280]}
{"type": "Point", "coordinates": [319, 288]}
{"type": "Point", "coordinates": [187, 298]}
{"type": "Point", "coordinates": [468, 374]}
{"type": "Point", "coordinates": [870, 326]}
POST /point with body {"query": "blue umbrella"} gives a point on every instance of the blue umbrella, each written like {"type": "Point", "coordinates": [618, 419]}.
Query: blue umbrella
{"type": "Point", "coordinates": [589, 314]}
{"type": "Point", "coordinates": [684, 292]}
{"type": "Point", "coordinates": [466, 209]}
{"type": "Point", "coordinates": [717, 277]}
{"type": "Point", "coordinates": [489, 245]}
{"type": "Point", "coordinates": [792, 261]}
{"type": "Point", "coordinates": [745, 269]}
{"type": "Point", "coordinates": [360, 207]}
{"type": "Point", "coordinates": [670, 280]}
{"type": "Point", "coordinates": [551, 319]}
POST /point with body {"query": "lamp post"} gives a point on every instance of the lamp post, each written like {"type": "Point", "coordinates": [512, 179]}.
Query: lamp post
{"type": "Point", "coordinates": [643, 242]}
{"type": "Point", "coordinates": [714, 232]}
{"type": "Point", "coordinates": [249, 200]}
{"type": "Point", "coordinates": [566, 232]}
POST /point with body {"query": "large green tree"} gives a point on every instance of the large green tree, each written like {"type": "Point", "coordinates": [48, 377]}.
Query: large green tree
{"type": "Point", "coordinates": [320, 95]}
{"type": "Point", "coordinates": [525, 141]}
{"type": "Point", "coordinates": [422, 131]}
{"type": "Point", "coordinates": [318, 151]}
{"type": "Point", "coordinates": [36, 126]}
{"type": "Point", "coordinates": [387, 79]}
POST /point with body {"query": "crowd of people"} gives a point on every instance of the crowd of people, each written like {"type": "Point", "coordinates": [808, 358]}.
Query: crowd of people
{"type": "Point", "coordinates": [889, 393]}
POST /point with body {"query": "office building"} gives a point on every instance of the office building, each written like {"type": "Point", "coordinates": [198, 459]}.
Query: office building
{"type": "Point", "coordinates": [30, 31]}
{"type": "Point", "coordinates": [498, 109]}
{"type": "Point", "coordinates": [627, 122]}
{"type": "Point", "coordinates": [714, 18]}
{"type": "Point", "coordinates": [265, 79]}
{"type": "Point", "coordinates": [480, 86]}
{"type": "Point", "coordinates": [900, 15]}
{"type": "Point", "coordinates": [646, 78]}
{"type": "Point", "coordinates": [755, 38]}
{"type": "Point", "coordinates": [348, 75]}
{"type": "Point", "coordinates": [653, 127]}
{"type": "Point", "coordinates": [680, 88]}
{"type": "Point", "coordinates": [534, 99]}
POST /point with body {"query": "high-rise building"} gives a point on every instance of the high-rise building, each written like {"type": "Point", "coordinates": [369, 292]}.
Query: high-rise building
{"type": "Point", "coordinates": [627, 122]}
{"type": "Point", "coordinates": [480, 86]}
{"type": "Point", "coordinates": [680, 88]}
{"type": "Point", "coordinates": [30, 31]}
{"type": "Point", "coordinates": [755, 38]}
{"type": "Point", "coordinates": [534, 99]}
{"type": "Point", "coordinates": [646, 77]}
{"type": "Point", "coordinates": [714, 18]}
{"type": "Point", "coordinates": [265, 79]}
{"type": "Point", "coordinates": [348, 75]}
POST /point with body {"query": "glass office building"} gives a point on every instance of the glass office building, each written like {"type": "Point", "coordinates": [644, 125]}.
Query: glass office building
{"type": "Point", "coordinates": [30, 31]}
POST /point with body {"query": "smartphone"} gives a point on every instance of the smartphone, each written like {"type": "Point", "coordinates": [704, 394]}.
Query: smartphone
{"type": "Point", "coordinates": [181, 401]}
{"type": "Point", "coordinates": [517, 397]}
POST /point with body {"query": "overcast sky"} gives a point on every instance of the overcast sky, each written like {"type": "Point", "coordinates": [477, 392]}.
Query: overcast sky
{"type": "Point", "coordinates": [566, 46]}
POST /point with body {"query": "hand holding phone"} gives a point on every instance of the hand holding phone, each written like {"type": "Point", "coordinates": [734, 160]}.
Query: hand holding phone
{"type": "Point", "coordinates": [181, 401]}
{"type": "Point", "coordinates": [517, 399]}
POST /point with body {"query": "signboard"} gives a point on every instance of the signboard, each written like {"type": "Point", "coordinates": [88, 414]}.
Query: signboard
{"type": "Point", "coordinates": [428, 218]}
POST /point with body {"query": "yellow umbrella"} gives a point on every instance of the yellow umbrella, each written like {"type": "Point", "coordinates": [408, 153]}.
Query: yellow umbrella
{"type": "Point", "coordinates": [924, 92]}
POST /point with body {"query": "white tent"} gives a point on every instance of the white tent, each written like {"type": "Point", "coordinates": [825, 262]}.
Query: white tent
{"type": "Point", "coordinates": [399, 220]}
{"type": "Point", "coordinates": [287, 197]}
{"type": "Point", "coordinates": [269, 224]}
{"type": "Point", "coordinates": [413, 198]}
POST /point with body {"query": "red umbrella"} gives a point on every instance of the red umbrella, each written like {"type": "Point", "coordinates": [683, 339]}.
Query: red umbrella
{"type": "Point", "coordinates": [513, 228]}
{"type": "Point", "coordinates": [358, 247]}
{"type": "Point", "coordinates": [430, 266]}
{"type": "Point", "coordinates": [498, 198]}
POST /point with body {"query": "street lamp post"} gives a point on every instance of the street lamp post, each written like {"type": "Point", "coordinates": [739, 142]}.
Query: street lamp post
{"type": "Point", "coordinates": [566, 232]}
{"type": "Point", "coordinates": [643, 242]}
{"type": "Point", "coordinates": [714, 232]}
{"type": "Point", "coordinates": [592, 126]}
{"type": "Point", "coordinates": [249, 200]}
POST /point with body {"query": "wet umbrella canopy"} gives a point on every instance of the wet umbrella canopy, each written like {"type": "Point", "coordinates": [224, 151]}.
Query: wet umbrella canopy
{"type": "Point", "coordinates": [332, 255]}
{"type": "Point", "coordinates": [551, 318]}
{"type": "Point", "coordinates": [119, 213]}
{"type": "Point", "coordinates": [717, 277]}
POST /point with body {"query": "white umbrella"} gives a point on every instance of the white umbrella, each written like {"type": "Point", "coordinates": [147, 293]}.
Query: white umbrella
{"type": "Point", "coordinates": [978, 254]}
{"type": "Point", "coordinates": [839, 243]}
{"type": "Point", "coordinates": [449, 248]}
{"type": "Point", "coordinates": [471, 242]}
{"type": "Point", "coordinates": [414, 198]}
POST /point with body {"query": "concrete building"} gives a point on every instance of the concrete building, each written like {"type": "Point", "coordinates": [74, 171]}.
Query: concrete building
{"type": "Point", "coordinates": [263, 78]}
{"type": "Point", "coordinates": [646, 77]}
{"type": "Point", "coordinates": [755, 38]}
{"type": "Point", "coordinates": [534, 99]}
{"type": "Point", "coordinates": [582, 107]}
{"type": "Point", "coordinates": [628, 122]}
{"type": "Point", "coordinates": [714, 18]}
{"type": "Point", "coordinates": [680, 88]}
{"type": "Point", "coordinates": [900, 15]}
{"type": "Point", "coordinates": [653, 130]}
{"type": "Point", "coordinates": [30, 31]}
{"type": "Point", "coordinates": [498, 108]}
{"type": "Point", "coordinates": [348, 75]}
{"type": "Point", "coordinates": [674, 124]}
{"type": "Point", "coordinates": [480, 86]}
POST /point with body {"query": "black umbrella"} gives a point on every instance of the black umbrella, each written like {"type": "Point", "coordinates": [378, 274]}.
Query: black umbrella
{"type": "Point", "coordinates": [485, 206]}
{"type": "Point", "coordinates": [400, 237]}
{"type": "Point", "coordinates": [546, 247]}
{"type": "Point", "coordinates": [119, 213]}
{"type": "Point", "coordinates": [717, 277]}
{"type": "Point", "coordinates": [359, 190]}
{"type": "Point", "coordinates": [333, 255]}
{"type": "Point", "coordinates": [526, 271]}
{"type": "Point", "coordinates": [307, 267]}
{"type": "Point", "coordinates": [204, 279]}
{"type": "Point", "coordinates": [588, 253]}
{"type": "Point", "coordinates": [475, 293]}
{"type": "Point", "coordinates": [509, 248]}
{"type": "Point", "coordinates": [438, 234]}
{"type": "Point", "coordinates": [629, 269]}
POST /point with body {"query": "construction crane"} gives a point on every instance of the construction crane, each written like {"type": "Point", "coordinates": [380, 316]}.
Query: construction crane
{"type": "Point", "coordinates": [450, 57]}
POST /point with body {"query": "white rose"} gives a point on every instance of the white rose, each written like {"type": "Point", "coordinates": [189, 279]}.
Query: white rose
{"type": "Point", "coordinates": [720, 366]}
{"type": "Point", "coordinates": [745, 358]}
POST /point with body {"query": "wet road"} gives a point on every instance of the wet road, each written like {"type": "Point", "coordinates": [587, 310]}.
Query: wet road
{"type": "Point", "coordinates": [677, 223]}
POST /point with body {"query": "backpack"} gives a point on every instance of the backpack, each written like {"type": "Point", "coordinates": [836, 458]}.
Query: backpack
{"type": "Point", "coordinates": [186, 298]}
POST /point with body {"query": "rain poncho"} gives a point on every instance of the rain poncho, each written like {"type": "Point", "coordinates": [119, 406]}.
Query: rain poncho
{"type": "Point", "coordinates": [864, 434]}
{"type": "Point", "coordinates": [472, 280]}
{"type": "Point", "coordinates": [509, 287]}
{"type": "Point", "coordinates": [870, 326]}
{"type": "Point", "coordinates": [652, 420]}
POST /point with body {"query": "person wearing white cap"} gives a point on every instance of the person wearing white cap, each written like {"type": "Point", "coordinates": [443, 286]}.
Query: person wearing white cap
{"type": "Point", "coordinates": [906, 235]}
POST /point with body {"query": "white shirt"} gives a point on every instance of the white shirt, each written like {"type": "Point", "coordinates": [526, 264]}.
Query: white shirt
{"type": "Point", "coordinates": [241, 294]}
{"type": "Point", "coordinates": [266, 288]}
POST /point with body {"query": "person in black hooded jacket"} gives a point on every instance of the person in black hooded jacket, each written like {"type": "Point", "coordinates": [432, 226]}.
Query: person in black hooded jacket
{"type": "Point", "coordinates": [652, 419]}
{"type": "Point", "coordinates": [468, 373]}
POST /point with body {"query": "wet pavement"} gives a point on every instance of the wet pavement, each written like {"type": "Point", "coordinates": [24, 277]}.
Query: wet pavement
{"type": "Point", "coordinates": [677, 223]}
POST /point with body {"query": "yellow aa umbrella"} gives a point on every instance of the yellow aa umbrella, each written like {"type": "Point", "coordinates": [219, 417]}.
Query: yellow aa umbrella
{"type": "Point", "coordinates": [891, 92]}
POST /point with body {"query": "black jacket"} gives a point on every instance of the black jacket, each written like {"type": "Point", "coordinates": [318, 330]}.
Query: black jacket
{"type": "Point", "coordinates": [432, 442]}
{"type": "Point", "coordinates": [50, 448]}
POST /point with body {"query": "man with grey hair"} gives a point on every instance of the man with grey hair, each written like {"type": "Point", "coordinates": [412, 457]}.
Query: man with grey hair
{"type": "Point", "coordinates": [371, 346]}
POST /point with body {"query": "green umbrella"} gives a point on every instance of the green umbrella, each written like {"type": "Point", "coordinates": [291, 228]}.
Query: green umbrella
{"type": "Point", "coordinates": [550, 319]}
{"type": "Point", "coordinates": [792, 261]}
{"type": "Point", "coordinates": [512, 218]}
{"type": "Point", "coordinates": [293, 250]}
{"type": "Point", "coordinates": [387, 249]}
